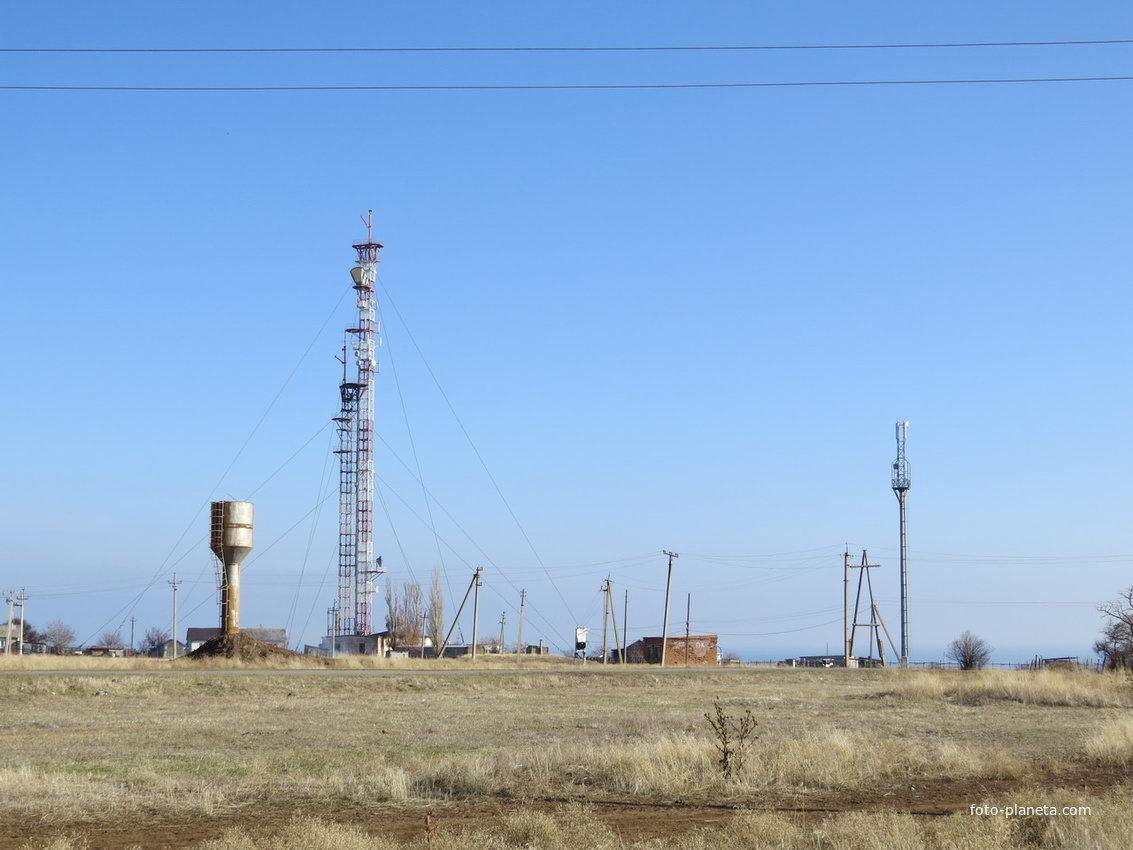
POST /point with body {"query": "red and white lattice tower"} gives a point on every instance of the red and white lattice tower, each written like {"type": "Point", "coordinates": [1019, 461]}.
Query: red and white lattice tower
{"type": "Point", "coordinates": [357, 565]}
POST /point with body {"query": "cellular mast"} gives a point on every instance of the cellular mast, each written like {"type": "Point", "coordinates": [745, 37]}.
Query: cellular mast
{"type": "Point", "coordinates": [901, 485]}
{"type": "Point", "coordinates": [357, 565]}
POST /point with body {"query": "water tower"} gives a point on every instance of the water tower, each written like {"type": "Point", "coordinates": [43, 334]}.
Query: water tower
{"type": "Point", "coordinates": [231, 541]}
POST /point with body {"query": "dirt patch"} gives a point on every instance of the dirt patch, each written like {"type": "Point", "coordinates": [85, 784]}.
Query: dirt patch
{"type": "Point", "coordinates": [633, 820]}
{"type": "Point", "coordinates": [240, 647]}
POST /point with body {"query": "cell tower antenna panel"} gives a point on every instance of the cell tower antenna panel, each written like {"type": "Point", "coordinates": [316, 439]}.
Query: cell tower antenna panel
{"type": "Point", "coordinates": [901, 479]}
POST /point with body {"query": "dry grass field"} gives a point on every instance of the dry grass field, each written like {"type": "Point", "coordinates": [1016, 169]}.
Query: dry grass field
{"type": "Point", "coordinates": [105, 753]}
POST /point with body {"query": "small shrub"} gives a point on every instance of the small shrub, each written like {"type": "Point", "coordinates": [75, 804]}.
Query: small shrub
{"type": "Point", "coordinates": [732, 737]}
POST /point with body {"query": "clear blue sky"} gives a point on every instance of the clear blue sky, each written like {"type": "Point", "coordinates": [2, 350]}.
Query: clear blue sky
{"type": "Point", "coordinates": [616, 321]}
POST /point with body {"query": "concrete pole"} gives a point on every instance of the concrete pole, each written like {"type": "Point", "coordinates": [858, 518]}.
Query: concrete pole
{"type": "Point", "coordinates": [475, 609]}
{"type": "Point", "coordinates": [519, 639]}
{"type": "Point", "coordinates": [605, 619]}
{"type": "Point", "coordinates": [23, 598]}
{"type": "Point", "coordinates": [688, 623]}
{"type": "Point", "coordinates": [8, 639]}
{"type": "Point", "coordinates": [174, 583]}
{"type": "Point", "coordinates": [846, 608]}
{"type": "Point", "coordinates": [668, 591]}
{"type": "Point", "coordinates": [614, 621]}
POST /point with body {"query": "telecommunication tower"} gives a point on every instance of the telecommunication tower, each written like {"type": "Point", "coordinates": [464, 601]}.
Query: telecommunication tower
{"type": "Point", "coordinates": [357, 565]}
{"type": "Point", "coordinates": [901, 485]}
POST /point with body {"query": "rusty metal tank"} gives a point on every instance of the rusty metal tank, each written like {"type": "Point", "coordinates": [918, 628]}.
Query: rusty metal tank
{"type": "Point", "coordinates": [231, 541]}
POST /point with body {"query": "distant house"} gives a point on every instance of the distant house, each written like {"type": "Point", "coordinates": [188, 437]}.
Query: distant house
{"type": "Point", "coordinates": [12, 629]}
{"type": "Point", "coordinates": [106, 651]}
{"type": "Point", "coordinates": [195, 638]}
{"type": "Point", "coordinates": [693, 651]}
{"type": "Point", "coordinates": [376, 644]}
{"type": "Point", "coordinates": [166, 649]}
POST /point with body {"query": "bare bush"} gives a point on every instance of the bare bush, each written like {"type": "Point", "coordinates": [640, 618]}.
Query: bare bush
{"type": "Point", "coordinates": [970, 651]}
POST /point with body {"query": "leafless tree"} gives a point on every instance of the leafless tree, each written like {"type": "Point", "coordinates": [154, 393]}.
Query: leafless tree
{"type": "Point", "coordinates": [1116, 643]}
{"type": "Point", "coordinates": [113, 638]}
{"type": "Point", "coordinates": [154, 640]}
{"type": "Point", "coordinates": [970, 651]}
{"type": "Point", "coordinates": [405, 607]}
{"type": "Point", "coordinates": [436, 617]}
{"type": "Point", "coordinates": [58, 635]}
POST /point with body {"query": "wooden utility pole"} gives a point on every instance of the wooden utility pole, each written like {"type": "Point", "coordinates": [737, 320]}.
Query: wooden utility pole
{"type": "Point", "coordinates": [875, 625]}
{"type": "Point", "coordinates": [668, 590]}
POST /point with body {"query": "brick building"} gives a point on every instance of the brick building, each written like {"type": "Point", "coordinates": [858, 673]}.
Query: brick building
{"type": "Point", "coordinates": [695, 651]}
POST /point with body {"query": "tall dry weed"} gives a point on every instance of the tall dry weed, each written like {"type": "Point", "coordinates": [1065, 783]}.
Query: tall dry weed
{"type": "Point", "coordinates": [1111, 744]}
{"type": "Point", "coordinates": [302, 833]}
{"type": "Point", "coordinates": [1068, 688]}
{"type": "Point", "coordinates": [828, 757]}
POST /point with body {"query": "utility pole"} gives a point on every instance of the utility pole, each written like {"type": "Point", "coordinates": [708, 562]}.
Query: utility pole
{"type": "Point", "coordinates": [332, 628]}
{"type": "Point", "coordinates": [475, 583]}
{"type": "Point", "coordinates": [688, 621]}
{"type": "Point", "coordinates": [475, 609]}
{"type": "Point", "coordinates": [503, 619]}
{"type": "Point", "coordinates": [175, 584]}
{"type": "Point", "coordinates": [609, 588]}
{"type": "Point", "coordinates": [11, 606]}
{"type": "Point", "coordinates": [519, 639]}
{"type": "Point", "coordinates": [901, 484]}
{"type": "Point", "coordinates": [605, 618]}
{"type": "Point", "coordinates": [668, 590]}
{"type": "Point", "coordinates": [132, 620]}
{"type": "Point", "coordinates": [22, 599]}
{"type": "Point", "coordinates": [625, 627]}
{"type": "Point", "coordinates": [846, 608]}
{"type": "Point", "coordinates": [875, 625]}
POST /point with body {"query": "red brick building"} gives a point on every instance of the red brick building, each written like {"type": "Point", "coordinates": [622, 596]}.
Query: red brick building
{"type": "Point", "coordinates": [695, 651]}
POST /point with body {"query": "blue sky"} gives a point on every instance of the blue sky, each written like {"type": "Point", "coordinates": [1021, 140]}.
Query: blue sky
{"type": "Point", "coordinates": [615, 321]}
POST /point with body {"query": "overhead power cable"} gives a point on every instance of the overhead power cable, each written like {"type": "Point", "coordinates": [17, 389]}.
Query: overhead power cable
{"type": "Point", "coordinates": [574, 86]}
{"type": "Point", "coordinates": [576, 49]}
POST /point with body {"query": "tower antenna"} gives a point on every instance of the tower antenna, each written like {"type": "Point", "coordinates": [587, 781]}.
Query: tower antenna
{"type": "Point", "coordinates": [357, 565]}
{"type": "Point", "coordinates": [901, 484]}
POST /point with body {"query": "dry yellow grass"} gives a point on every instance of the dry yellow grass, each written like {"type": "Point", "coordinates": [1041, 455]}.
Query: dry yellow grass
{"type": "Point", "coordinates": [117, 741]}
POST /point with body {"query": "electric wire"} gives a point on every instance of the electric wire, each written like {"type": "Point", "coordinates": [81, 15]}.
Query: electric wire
{"type": "Point", "coordinates": [580, 48]}
{"type": "Point", "coordinates": [324, 484]}
{"type": "Point", "coordinates": [416, 458]}
{"type": "Point", "coordinates": [483, 463]}
{"type": "Point", "coordinates": [574, 86]}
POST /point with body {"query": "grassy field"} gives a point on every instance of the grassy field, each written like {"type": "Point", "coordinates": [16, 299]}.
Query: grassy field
{"type": "Point", "coordinates": [151, 754]}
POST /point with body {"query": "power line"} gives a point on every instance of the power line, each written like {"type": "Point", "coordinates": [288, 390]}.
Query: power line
{"type": "Point", "coordinates": [574, 86]}
{"type": "Point", "coordinates": [578, 49]}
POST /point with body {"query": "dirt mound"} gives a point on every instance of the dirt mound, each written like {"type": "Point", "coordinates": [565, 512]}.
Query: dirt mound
{"type": "Point", "coordinates": [241, 647]}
